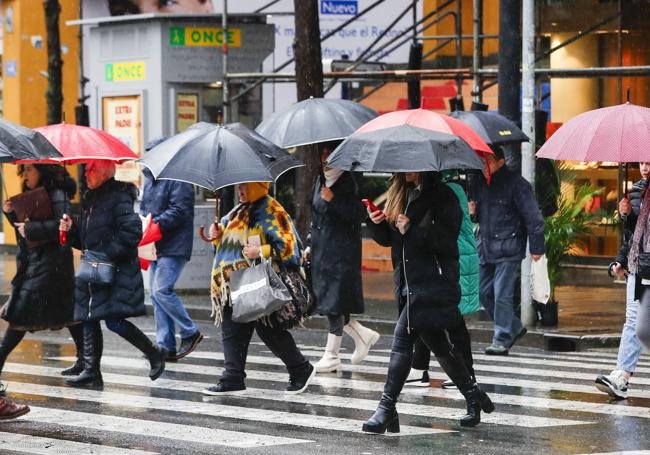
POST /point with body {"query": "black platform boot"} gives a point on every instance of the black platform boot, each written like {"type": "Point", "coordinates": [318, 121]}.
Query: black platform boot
{"type": "Point", "coordinates": [385, 417]}
{"type": "Point", "coordinates": [77, 334]}
{"type": "Point", "coordinates": [154, 353]}
{"type": "Point", "coordinates": [93, 345]}
{"type": "Point", "coordinates": [476, 399]}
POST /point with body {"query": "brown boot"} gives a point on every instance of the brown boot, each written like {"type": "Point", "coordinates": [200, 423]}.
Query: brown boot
{"type": "Point", "coordinates": [9, 410]}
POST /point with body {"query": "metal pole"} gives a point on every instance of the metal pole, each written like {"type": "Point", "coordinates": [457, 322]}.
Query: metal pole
{"type": "Point", "coordinates": [477, 93]}
{"type": "Point", "coordinates": [224, 58]}
{"type": "Point", "coordinates": [459, 47]}
{"type": "Point", "coordinates": [528, 148]}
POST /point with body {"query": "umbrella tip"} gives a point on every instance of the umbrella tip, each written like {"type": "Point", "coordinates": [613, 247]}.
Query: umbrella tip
{"type": "Point", "coordinates": [628, 95]}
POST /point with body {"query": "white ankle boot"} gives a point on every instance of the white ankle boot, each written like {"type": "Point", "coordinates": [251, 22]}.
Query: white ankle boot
{"type": "Point", "coordinates": [363, 338]}
{"type": "Point", "coordinates": [330, 360]}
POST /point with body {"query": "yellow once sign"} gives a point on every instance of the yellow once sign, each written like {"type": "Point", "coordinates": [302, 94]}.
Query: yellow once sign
{"type": "Point", "coordinates": [125, 71]}
{"type": "Point", "coordinates": [204, 36]}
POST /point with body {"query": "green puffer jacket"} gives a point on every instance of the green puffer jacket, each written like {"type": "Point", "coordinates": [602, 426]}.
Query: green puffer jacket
{"type": "Point", "coordinates": [469, 264]}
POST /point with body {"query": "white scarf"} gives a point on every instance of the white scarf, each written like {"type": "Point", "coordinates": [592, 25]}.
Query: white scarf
{"type": "Point", "coordinates": [331, 176]}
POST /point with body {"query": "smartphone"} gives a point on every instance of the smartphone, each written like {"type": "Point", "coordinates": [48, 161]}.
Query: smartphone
{"type": "Point", "coordinates": [370, 205]}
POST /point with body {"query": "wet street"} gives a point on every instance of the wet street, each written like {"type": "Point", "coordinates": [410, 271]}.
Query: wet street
{"type": "Point", "coordinates": [545, 403]}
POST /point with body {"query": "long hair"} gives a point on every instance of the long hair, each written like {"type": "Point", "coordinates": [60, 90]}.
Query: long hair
{"type": "Point", "coordinates": [52, 176]}
{"type": "Point", "coordinates": [396, 197]}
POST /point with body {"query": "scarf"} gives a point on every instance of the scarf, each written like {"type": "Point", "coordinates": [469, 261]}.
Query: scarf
{"type": "Point", "coordinates": [639, 231]}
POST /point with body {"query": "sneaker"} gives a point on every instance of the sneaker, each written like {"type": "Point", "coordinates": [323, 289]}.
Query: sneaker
{"type": "Point", "coordinates": [3, 389]}
{"type": "Point", "coordinates": [189, 344]}
{"type": "Point", "coordinates": [299, 384]}
{"type": "Point", "coordinates": [615, 385]}
{"type": "Point", "coordinates": [223, 389]}
{"type": "Point", "coordinates": [418, 378]}
{"type": "Point", "coordinates": [496, 349]}
{"type": "Point", "coordinates": [447, 385]}
{"type": "Point", "coordinates": [517, 337]}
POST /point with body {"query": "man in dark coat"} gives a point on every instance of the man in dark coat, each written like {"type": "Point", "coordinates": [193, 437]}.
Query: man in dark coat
{"type": "Point", "coordinates": [171, 205]}
{"type": "Point", "coordinates": [335, 251]}
{"type": "Point", "coordinates": [508, 216]}
{"type": "Point", "coordinates": [109, 226]}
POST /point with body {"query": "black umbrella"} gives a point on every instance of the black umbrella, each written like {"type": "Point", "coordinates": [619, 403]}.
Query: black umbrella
{"type": "Point", "coordinates": [494, 128]}
{"type": "Point", "coordinates": [315, 120]}
{"type": "Point", "coordinates": [404, 148]}
{"type": "Point", "coordinates": [18, 143]}
{"type": "Point", "coordinates": [213, 156]}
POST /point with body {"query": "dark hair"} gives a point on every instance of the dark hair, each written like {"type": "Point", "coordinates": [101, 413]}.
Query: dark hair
{"type": "Point", "coordinates": [53, 176]}
{"type": "Point", "coordinates": [498, 152]}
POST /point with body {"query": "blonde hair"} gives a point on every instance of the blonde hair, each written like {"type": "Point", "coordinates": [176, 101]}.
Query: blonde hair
{"type": "Point", "coordinates": [396, 197]}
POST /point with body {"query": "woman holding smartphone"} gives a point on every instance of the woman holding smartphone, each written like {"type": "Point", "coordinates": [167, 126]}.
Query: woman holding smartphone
{"type": "Point", "coordinates": [335, 254]}
{"type": "Point", "coordinates": [421, 224]}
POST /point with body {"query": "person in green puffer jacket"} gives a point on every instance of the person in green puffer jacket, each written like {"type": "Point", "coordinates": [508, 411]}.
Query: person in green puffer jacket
{"type": "Point", "coordinates": [469, 303]}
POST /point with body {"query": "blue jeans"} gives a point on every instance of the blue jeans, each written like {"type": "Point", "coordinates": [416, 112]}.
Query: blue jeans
{"type": "Point", "coordinates": [497, 297]}
{"type": "Point", "coordinates": [630, 348]}
{"type": "Point", "coordinates": [169, 311]}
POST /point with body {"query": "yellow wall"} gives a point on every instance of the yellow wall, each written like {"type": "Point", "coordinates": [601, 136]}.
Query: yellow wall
{"type": "Point", "coordinates": [24, 95]}
{"type": "Point", "coordinates": [570, 97]}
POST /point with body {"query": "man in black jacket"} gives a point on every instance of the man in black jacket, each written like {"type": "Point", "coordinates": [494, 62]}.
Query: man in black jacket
{"type": "Point", "coordinates": [615, 384]}
{"type": "Point", "coordinates": [508, 216]}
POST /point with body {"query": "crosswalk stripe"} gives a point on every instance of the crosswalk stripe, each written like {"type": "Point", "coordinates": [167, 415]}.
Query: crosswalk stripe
{"type": "Point", "coordinates": [25, 443]}
{"type": "Point", "coordinates": [373, 386]}
{"type": "Point", "coordinates": [148, 428]}
{"type": "Point", "coordinates": [210, 409]}
{"type": "Point", "coordinates": [625, 452]}
{"type": "Point", "coordinates": [305, 398]}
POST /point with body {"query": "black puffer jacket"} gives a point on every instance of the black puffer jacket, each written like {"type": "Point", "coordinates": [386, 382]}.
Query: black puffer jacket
{"type": "Point", "coordinates": [426, 259]}
{"type": "Point", "coordinates": [42, 294]}
{"type": "Point", "coordinates": [109, 225]}
{"type": "Point", "coordinates": [335, 242]}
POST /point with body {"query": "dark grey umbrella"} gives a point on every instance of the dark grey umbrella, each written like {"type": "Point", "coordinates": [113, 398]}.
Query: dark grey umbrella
{"type": "Point", "coordinates": [18, 143]}
{"type": "Point", "coordinates": [494, 128]}
{"type": "Point", "coordinates": [315, 120]}
{"type": "Point", "coordinates": [404, 148]}
{"type": "Point", "coordinates": [213, 156]}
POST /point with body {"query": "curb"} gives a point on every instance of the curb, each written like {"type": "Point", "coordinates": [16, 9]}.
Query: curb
{"type": "Point", "coordinates": [480, 331]}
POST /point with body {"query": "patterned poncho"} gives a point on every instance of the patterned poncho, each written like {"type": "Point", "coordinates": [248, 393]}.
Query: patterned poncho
{"type": "Point", "coordinates": [265, 218]}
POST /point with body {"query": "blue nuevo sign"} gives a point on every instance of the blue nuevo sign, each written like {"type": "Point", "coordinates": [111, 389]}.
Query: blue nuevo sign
{"type": "Point", "coordinates": [350, 7]}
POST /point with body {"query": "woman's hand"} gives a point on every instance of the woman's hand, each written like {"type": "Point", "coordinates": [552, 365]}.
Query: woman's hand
{"type": "Point", "coordinates": [377, 216]}
{"type": "Point", "coordinates": [402, 223]}
{"type": "Point", "coordinates": [252, 251]}
{"type": "Point", "coordinates": [618, 270]}
{"type": "Point", "coordinates": [7, 206]}
{"type": "Point", "coordinates": [326, 194]}
{"type": "Point", "coordinates": [65, 224]}
{"type": "Point", "coordinates": [20, 227]}
{"type": "Point", "coordinates": [216, 231]}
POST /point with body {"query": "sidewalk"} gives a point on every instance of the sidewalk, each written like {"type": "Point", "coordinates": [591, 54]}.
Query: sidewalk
{"type": "Point", "coordinates": [589, 316]}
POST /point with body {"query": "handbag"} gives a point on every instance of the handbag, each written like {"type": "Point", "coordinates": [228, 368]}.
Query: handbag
{"type": "Point", "coordinates": [96, 268]}
{"type": "Point", "coordinates": [34, 205]}
{"type": "Point", "coordinates": [256, 291]}
{"type": "Point", "coordinates": [643, 265]}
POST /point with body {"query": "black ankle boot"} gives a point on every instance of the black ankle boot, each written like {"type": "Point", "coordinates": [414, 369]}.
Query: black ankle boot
{"type": "Point", "coordinates": [154, 353]}
{"type": "Point", "coordinates": [93, 345]}
{"type": "Point", "coordinates": [385, 417]}
{"type": "Point", "coordinates": [76, 331]}
{"type": "Point", "coordinates": [473, 416]}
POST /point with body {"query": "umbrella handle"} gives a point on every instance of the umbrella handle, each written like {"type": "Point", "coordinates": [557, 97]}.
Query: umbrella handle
{"type": "Point", "coordinates": [203, 236]}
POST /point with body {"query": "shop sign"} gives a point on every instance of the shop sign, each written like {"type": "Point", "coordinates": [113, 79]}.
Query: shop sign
{"type": "Point", "coordinates": [187, 111]}
{"type": "Point", "coordinates": [125, 71]}
{"type": "Point", "coordinates": [349, 7]}
{"type": "Point", "coordinates": [203, 36]}
{"type": "Point", "coordinates": [121, 118]}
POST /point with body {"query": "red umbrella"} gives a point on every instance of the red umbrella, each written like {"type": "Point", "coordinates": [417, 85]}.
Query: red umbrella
{"type": "Point", "coordinates": [422, 118]}
{"type": "Point", "coordinates": [79, 144]}
{"type": "Point", "coordinates": [618, 133]}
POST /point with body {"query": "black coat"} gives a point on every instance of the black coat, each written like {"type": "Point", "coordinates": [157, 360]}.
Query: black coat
{"type": "Point", "coordinates": [42, 293]}
{"type": "Point", "coordinates": [426, 258]}
{"type": "Point", "coordinates": [335, 242]}
{"type": "Point", "coordinates": [109, 225]}
{"type": "Point", "coordinates": [508, 215]}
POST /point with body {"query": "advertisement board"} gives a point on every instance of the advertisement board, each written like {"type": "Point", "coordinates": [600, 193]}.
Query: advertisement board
{"type": "Point", "coordinates": [122, 118]}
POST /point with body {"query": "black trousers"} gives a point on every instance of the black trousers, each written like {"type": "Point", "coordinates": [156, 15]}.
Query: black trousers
{"type": "Point", "coordinates": [460, 339]}
{"type": "Point", "coordinates": [236, 338]}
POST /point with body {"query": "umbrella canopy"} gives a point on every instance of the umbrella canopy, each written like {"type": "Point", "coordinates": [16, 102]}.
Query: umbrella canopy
{"type": "Point", "coordinates": [22, 145]}
{"type": "Point", "coordinates": [78, 144]}
{"type": "Point", "coordinates": [494, 128]}
{"type": "Point", "coordinates": [315, 120]}
{"type": "Point", "coordinates": [422, 118]}
{"type": "Point", "coordinates": [618, 133]}
{"type": "Point", "coordinates": [404, 148]}
{"type": "Point", "coordinates": [214, 156]}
